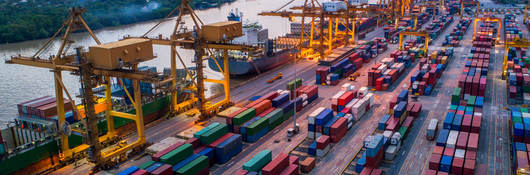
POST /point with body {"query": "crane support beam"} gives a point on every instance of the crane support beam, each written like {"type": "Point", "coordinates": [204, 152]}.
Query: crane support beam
{"type": "Point", "coordinates": [523, 43]}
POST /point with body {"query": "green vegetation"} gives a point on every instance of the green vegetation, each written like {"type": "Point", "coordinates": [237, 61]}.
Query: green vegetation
{"type": "Point", "coordinates": [36, 19]}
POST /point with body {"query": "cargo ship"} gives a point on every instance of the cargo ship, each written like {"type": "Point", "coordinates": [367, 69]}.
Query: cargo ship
{"type": "Point", "coordinates": [270, 54]}
{"type": "Point", "coordinates": [30, 143]}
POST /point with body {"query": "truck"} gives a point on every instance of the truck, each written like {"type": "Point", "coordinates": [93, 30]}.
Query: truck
{"type": "Point", "coordinates": [431, 129]}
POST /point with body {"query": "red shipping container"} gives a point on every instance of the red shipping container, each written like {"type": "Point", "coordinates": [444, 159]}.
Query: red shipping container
{"type": "Point", "coordinates": [377, 172]}
{"type": "Point", "coordinates": [392, 102]}
{"type": "Point", "coordinates": [475, 126]}
{"type": "Point", "coordinates": [50, 110]}
{"type": "Point", "coordinates": [307, 165]}
{"type": "Point", "coordinates": [466, 123]}
{"type": "Point", "coordinates": [374, 162]}
{"type": "Point", "coordinates": [220, 140]}
{"type": "Point", "coordinates": [471, 154]}
{"type": "Point", "coordinates": [409, 106]}
{"type": "Point", "coordinates": [449, 151]}
{"type": "Point", "coordinates": [472, 143]}
{"type": "Point", "coordinates": [163, 170]}
{"type": "Point", "coordinates": [311, 91]}
{"type": "Point", "coordinates": [469, 166]}
{"type": "Point", "coordinates": [457, 168]}
{"type": "Point", "coordinates": [241, 172]}
{"type": "Point", "coordinates": [345, 110]}
{"type": "Point", "coordinates": [430, 172]}
{"type": "Point", "coordinates": [157, 156]}
{"type": "Point", "coordinates": [270, 96]}
{"type": "Point", "coordinates": [366, 171]}
{"type": "Point", "coordinates": [294, 160]}
{"type": "Point", "coordinates": [290, 170]}
{"type": "Point", "coordinates": [264, 113]}
{"type": "Point", "coordinates": [438, 150]}
{"type": "Point", "coordinates": [194, 142]}
{"type": "Point", "coordinates": [416, 110]}
{"type": "Point", "coordinates": [254, 103]}
{"type": "Point", "coordinates": [461, 142]}
{"type": "Point", "coordinates": [338, 129]}
{"type": "Point", "coordinates": [277, 165]}
{"type": "Point", "coordinates": [434, 161]}
{"type": "Point", "coordinates": [140, 172]}
{"type": "Point", "coordinates": [408, 122]}
{"type": "Point", "coordinates": [323, 141]}
{"type": "Point", "coordinates": [32, 108]}
{"type": "Point", "coordinates": [392, 124]}
{"type": "Point", "coordinates": [345, 98]}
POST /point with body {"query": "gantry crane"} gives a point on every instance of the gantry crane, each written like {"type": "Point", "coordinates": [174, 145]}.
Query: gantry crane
{"type": "Point", "coordinates": [201, 40]}
{"type": "Point", "coordinates": [95, 67]}
{"type": "Point", "coordinates": [462, 3]}
{"type": "Point", "coordinates": [419, 33]}
{"type": "Point", "coordinates": [523, 43]}
{"type": "Point", "coordinates": [314, 10]}
{"type": "Point", "coordinates": [487, 19]}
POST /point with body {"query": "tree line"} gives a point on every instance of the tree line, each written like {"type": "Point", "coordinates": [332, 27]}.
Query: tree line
{"type": "Point", "coordinates": [37, 19]}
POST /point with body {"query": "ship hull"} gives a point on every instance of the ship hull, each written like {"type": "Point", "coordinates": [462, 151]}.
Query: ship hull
{"type": "Point", "coordinates": [245, 67]}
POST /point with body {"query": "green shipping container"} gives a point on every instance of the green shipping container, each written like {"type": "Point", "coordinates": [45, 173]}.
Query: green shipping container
{"type": "Point", "coordinates": [258, 161]}
{"type": "Point", "coordinates": [257, 126]}
{"type": "Point", "coordinates": [290, 85]}
{"type": "Point", "coordinates": [403, 131]}
{"type": "Point", "coordinates": [453, 107]}
{"type": "Point", "coordinates": [469, 109]}
{"type": "Point", "coordinates": [526, 89]}
{"type": "Point", "coordinates": [146, 164]}
{"type": "Point", "coordinates": [471, 100]}
{"type": "Point", "coordinates": [2, 151]}
{"type": "Point", "coordinates": [177, 155]}
{"type": "Point", "coordinates": [455, 97]}
{"type": "Point", "coordinates": [213, 134]}
{"type": "Point", "coordinates": [205, 129]}
{"type": "Point", "coordinates": [287, 115]}
{"type": "Point", "coordinates": [517, 119]}
{"type": "Point", "coordinates": [525, 110]}
{"type": "Point", "coordinates": [274, 116]}
{"type": "Point", "coordinates": [194, 167]}
{"type": "Point", "coordinates": [24, 159]}
{"type": "Point", "coordinates": [244, 116]}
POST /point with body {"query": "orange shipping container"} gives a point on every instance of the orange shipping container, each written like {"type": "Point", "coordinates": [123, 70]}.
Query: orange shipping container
{"type": "Point", "coordinates": [262, 106]}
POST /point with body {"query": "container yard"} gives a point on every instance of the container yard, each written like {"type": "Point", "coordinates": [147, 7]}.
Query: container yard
{"type": "Point", "coordinates": [434, 87]}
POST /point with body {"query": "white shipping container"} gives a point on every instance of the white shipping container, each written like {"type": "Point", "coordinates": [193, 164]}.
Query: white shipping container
{"type": "Point", "coordinates": [316, 112]}
{"type": "Point", "coordinates": [525, 115]}
{"type": "Point", "coordinates": [349, 117]}
{"type": "Point", "coordinates": [335, 98]}
{"type": "Point", "coordinates": [460, 153]}
{"type": "Point", "coordinates": [304, 104]}
{"type": "Point", "coordinates": [390, 152]}
{"type": "Point", "coordinates": [388, 61]}
{"type": "Point", "coordinates": [351, 103]}
{"type": "Point", "coordinates": [310, 120]}
{"type": "Point", "coordinates": [304, 97]}
{"type": "Point", "coordinates": [387, 72]}
{"type": "Point", "coordinates": [333, 6]}
{"type": "Point", "coordinates": [395, 139]}
{"type": "Point", "coordinates": [359, 109]}
{"type": "Point", "coordinates": [350, 124]}
{"type": "Point", "coordinates": [451, 139]}
{"type": "Point", "coordinates": [387, 134]}
{"type": "Point", "coordinates": [370, 98]}
{"type": "Point", "coordinates": [382, 68]}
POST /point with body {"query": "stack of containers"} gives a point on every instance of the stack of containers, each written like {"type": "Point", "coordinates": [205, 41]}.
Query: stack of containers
{"type": "Point", "coordinates": [431, 68]}
{"type": "Point", "coordinates": [282, 164]}
{"type": "Point", "coordinates": [457, 143]}
{"type": "Point", "coordinates": [453, 39]}
{"type": "Point", "coordinates": [520, 130]}
{"type": "Point", "coordinates": [518, 79]}
{"type": "Point", "coordinates": [439, 25]}
{"type": "Point", "coordinates": [394, 127]}
{"type": "Point", "coordinates": [260, 160]}
{"type": "Point", "coordinates": [383, 75]}
{"type": "Point", "coordinates": [343, 97]}
{"type": "Point", "coordinates": [45, 108]}
{"type": "Point", "coordinates": [348, 61]}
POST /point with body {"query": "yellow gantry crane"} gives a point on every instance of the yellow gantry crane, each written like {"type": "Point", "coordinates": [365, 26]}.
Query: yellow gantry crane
{"type": "Point", "coordinates": [462, 3]}
{"type": "Point", "coordinates": [487, 19]}
{"type": "Point", "coordinates": [94, 68]}
{"type": "Point", "coordinates": [314, 10]}
{"type": "Point", "coordinates": [201, 40]}
{"type": "Point", "coordinates": [419, 33]}
{"type": "Point", "coordinates": [523, 43]}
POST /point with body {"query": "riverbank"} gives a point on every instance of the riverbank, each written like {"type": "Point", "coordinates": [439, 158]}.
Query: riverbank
{"type": "Point", "coordinates": [23, 21]}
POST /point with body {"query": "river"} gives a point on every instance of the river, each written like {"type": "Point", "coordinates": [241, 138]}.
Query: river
{"type": "Point", "coordinates": [21, 83]}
